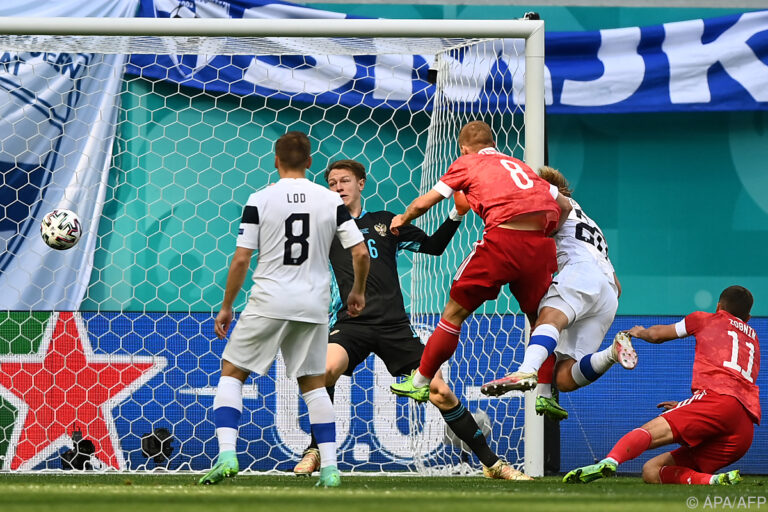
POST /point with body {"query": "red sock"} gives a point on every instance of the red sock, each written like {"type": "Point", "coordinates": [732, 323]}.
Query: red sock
{"type": "Point", "coordinates": [631, 445]}
{"type": "Point", "coordinates": [440, 347]}
{"type": "Point", "coordinates": [547, 370]}
{"type": "Point", "coordinates": [683, 475]}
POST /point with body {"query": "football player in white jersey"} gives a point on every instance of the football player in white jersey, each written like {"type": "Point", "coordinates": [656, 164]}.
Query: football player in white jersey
{"type": "Point", "coordinates": [578, 308]}
{"type": "Point", "coordinates": [291, 224]}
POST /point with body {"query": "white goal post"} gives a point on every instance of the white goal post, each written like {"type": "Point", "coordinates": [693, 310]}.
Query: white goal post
{"type": "Point", "coordinates": [152, 236]}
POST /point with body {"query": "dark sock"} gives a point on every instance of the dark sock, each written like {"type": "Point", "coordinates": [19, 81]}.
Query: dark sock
{"type": "Point", "coordinates": [313, 441]}
{"type": "Point", "coordinates": [465, 427]}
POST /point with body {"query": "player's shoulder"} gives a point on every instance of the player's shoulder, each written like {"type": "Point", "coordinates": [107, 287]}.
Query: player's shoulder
{"type": "Point", "coordinates": [380, 216]}
{"type": "Point", "coordinates": [574, 203]}
{"type": "Point", "coordinates": [378, 221]}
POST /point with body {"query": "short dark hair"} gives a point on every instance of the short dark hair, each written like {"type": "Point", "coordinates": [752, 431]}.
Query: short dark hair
{"type": "Point", "coordinates": [737, 300]}
{"type": "Point", "coordinates": [356, 167]}
{"type": "Point", "coordinates": [293, 149]}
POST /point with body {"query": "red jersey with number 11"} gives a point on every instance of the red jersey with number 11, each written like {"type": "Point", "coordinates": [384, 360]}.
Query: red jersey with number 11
{"type": "Point", "coordinates": [499, 188]}
{"type": "Point", "coordinates": [727, 357]}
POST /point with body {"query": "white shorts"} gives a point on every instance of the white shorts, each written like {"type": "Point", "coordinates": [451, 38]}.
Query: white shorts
{"type": "Point", "coordinates": [589, 299]}
{"type": "Point", "coordinates": [255, 341]}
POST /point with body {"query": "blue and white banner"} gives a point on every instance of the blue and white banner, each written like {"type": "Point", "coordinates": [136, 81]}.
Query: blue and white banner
{"type": "Point", "coordinates": [58, 114]}
{"type": "Point", "coordinates": [696, 65]}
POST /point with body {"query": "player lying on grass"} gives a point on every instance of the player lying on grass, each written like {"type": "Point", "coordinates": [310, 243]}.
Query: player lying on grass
{"type": "Point", "coordinates": [574, 315]}
{"type": "Point", "coordinates": [714, 426]}
{"type": "Point", "coordinates": [519, 211]}
{"type": "Point", "coordinates": [288, 305]}
{"type": "Point", "coordinates": [383, 328]}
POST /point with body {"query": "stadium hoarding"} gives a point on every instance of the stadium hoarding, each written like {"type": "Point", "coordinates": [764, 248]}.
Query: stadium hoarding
{"type": "Point", "coordinates": [119, 376]}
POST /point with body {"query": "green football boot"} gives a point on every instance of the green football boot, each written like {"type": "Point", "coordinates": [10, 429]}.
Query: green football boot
{"type": "Point", "coordinates": [548, 406]}
{"type": "Point", "coordinates": [226, 467]}
{"type": "Point", "coordinates": [586, 474]}
{"type": "Point", "coordinates": [329, 477]}
{"type": "Point", "coordinates": [730, 478]}
{"type": "Point", "coordinates": [406, 388]}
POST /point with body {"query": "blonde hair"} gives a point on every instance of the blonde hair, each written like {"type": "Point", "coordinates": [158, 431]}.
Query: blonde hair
{"type": "Point", "coordinates": [476, 135]}
{"type": "Point", "coordinates": [557, 179]}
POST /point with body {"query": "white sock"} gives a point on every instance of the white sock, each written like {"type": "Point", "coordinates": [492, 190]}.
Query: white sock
{"type": "Point", "coordinates": [578, 376]}
{"type": "Point", "coordinates": [542, 343]}
{"type": "Point", "coordinates": [322, 421]}
{"type": "Point", "coordinates": [419, 381]}
{"type": "Point", "coordinates": [227, 409]}
{"type": "Point", "coordinates": [603, 360]}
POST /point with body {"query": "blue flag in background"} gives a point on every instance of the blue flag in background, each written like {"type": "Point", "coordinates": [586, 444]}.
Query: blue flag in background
{"type": "Point", "coordinates": [58, 114]}
{"type": "Point", "coordinates": [704, 64]}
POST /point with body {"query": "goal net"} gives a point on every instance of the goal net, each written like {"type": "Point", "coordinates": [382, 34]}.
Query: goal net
{"type": "Point", "coordinates": [156, 135]}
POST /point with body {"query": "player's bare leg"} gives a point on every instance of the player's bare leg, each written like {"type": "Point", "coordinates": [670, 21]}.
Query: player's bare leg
{"type": "Point", "coordinates": [227, 409]}
{"type": "Point", "coordinates": [542, 344]}
{"type": "Point", "coordinates": [652, 467]}
{"type": "Point", "coordinates": [440, 347]}
{"type": "Point", "coordinates": [463, 424]}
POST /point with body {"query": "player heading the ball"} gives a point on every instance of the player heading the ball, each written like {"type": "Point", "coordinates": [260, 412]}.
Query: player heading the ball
{"type": "Point", "coordinates": [519, 210]}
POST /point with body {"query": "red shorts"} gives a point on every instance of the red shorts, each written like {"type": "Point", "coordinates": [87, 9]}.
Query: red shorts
{"type": "Point", "coordinates": [525, 260]}
{"type": "Point", "coordinates": [714, 431]}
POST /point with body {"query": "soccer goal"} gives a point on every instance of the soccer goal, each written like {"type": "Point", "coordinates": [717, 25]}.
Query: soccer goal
{"type": "Point", "coordinates": [155, 131]}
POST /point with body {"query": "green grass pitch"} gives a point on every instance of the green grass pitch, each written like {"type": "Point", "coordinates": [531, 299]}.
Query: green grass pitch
{"type": "Point", "coordinates": [161, 493]}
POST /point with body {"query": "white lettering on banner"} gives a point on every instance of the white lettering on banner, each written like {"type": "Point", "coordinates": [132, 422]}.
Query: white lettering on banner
{"type": "Point", "coordinates": [329, 73]}
{"type": "Point", "coordinates": [623, 73]}
{"type": "Point", "coordinates": [690, 59]}
{"type": "Point", "coordinates": [517, 70]}
{"type": "Point", "coordinates": [272, 11]}
{"type": "Point", "coordinates": [287, 397]}
{"type": "Point", "coordinates": [394, 77]}
{"type": "Point", "coordinates": [392, 440]}
{"type": "Point", "coordinates": [469, 75]}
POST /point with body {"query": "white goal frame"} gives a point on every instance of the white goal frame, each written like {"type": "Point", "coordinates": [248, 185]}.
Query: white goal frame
{"type": "Point", "coordinates": [530, 30]}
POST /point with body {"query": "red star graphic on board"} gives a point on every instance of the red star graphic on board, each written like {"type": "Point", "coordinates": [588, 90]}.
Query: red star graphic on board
{"type": "Point", "coordinates": [66, 386]}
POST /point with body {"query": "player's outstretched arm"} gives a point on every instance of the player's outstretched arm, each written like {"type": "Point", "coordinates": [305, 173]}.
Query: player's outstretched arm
{"type": "Point", "coordinates": [361, 262]}
{"type": "Point", "coordinates": [235, 278]}
{"type": "Point", "coordinates": [436, 243]}
{"type": "Point", "coordinates": [416, 209]}
{"type": "Point", "coordinates": [667, 404]}
{"type": "Point", "coordinates": [655, 333]}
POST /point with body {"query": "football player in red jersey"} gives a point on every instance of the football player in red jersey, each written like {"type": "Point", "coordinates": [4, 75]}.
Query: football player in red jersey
{"type": "Point", "coordinates": [714, 426]}
{"type": "Point", "coordinates": [519, 210]}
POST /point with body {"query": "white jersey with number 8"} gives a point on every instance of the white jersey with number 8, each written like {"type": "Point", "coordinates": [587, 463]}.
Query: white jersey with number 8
{"type": "Point", "coordinates": [291, 224]}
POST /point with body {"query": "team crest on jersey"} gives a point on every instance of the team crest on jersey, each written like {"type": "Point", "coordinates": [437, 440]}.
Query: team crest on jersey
{"type": "Point", "coordinates": [381, 229]}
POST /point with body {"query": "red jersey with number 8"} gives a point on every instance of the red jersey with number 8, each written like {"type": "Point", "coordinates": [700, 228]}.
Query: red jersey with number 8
{"type": "Point", "coordinates": [500, 188]}
{"type": "Point", "coordinates": [727, 357]}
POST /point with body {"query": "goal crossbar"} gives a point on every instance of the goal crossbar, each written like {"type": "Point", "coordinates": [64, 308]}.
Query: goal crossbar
{"type": "Point", "coordinates": [220, 27]}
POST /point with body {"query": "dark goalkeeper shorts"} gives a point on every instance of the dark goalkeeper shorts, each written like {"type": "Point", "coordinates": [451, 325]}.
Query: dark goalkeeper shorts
{"type": "Point", "coordinates": [396, 345]}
